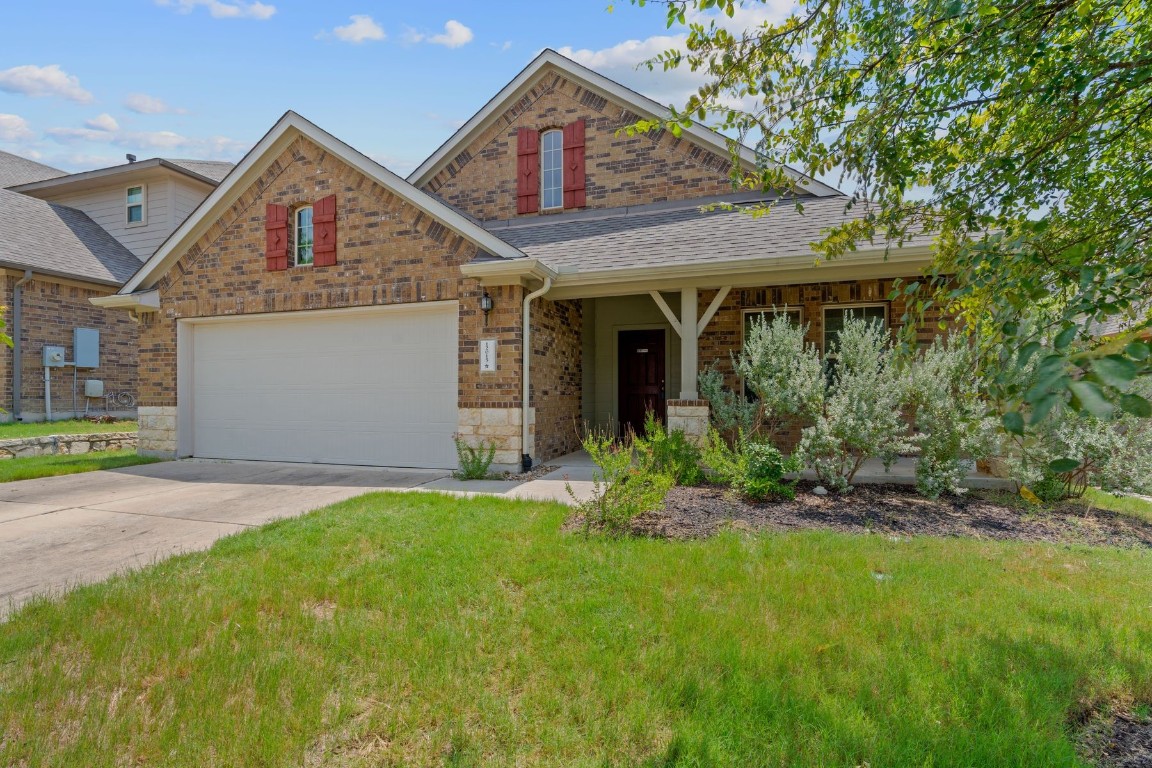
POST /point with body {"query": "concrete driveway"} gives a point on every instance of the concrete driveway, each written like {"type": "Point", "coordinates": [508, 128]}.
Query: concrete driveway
{"type": "Point", "coordinates": [61, 531]}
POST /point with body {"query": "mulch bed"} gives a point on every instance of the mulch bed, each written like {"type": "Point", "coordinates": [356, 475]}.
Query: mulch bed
{"type": "Point", "coordinates": [1120, 741]}
{"type": "Point", "coordinates": [696, 512]}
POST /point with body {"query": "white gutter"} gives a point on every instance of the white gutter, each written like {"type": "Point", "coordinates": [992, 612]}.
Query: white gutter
{"type": "Point", "coordinates": [525, 437]}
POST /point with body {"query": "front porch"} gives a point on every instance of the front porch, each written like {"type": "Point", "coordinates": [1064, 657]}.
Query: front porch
{"type": "Point", "coordinates": [643, 351]}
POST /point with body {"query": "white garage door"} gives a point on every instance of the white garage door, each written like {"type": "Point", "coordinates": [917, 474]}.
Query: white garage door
{"type": "Point", "coordinates": [376, 388]}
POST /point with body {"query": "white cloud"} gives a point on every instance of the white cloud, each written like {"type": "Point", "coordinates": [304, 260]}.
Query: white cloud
{"type": "Point", "coordinates": [14, 128]}
{"type": "Point", "coordinates": [623, 62]}
{"type": "Point", "coordinates": [455, 35]}
{"type": "Point", "coordinates": [401, 166]}
{"type": "Point", "coordinates": [104, 122]}
{"type": "Point", "coordinates": [51, 80]}
{"type": "Point", "coordinates": [503, 47]}
{"type": "Point", "coordinates": [218, 9]}
{"type": "Point", "coordinates": [164, 142]}
{"type": "Point", "coordinates": [143, 104]}
{"type": "Point", "coordinates": [361, 29]}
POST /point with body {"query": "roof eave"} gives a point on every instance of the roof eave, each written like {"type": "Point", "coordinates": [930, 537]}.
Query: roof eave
{"type": "Point", "coordinates": [102, 174]}
{"type": "Point", "coordinates": [768, 270]}
{"type": "Point", "coordinates": [143, 301]}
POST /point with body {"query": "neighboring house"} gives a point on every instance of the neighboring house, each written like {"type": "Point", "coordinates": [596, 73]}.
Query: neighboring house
{"type": "Point", "coordinates": [317, 307]}
{"type": "Point", "coordinates": [70, 238]}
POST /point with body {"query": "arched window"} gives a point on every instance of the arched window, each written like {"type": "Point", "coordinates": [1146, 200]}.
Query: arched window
{"type": "Point", "coordinates": [552, 169]}
{"type": "Point", "coordinates": [302, 238]}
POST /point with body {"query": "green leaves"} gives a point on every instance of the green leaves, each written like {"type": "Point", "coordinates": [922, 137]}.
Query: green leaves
{"type": "Point", "coordinates": [1115, 371]}
{"type": "Point", "coordinates": [1087, 395]}
{"type": "Point", "coordinates": [1013, 422]}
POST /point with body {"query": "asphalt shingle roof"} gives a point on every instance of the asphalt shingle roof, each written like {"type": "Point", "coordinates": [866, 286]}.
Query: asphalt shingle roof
{"type": "Point", "coordinates": [60, 240]}
{"type": "Point", "coordinates": [662, 236]}
{"type": "Point", "coordinates": [212, 169]}
{"type": "Point", "coordinates": [16, 170]}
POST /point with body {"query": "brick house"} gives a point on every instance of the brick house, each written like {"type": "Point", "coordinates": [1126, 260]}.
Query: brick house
{"type": "Point", "coordinates": [70, 238]}
{"type": "Point", "coordinates": [317, 307]}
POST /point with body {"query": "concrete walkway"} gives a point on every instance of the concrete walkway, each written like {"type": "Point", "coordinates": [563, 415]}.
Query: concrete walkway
{"type": "Point", "coordinates": [58, 532]}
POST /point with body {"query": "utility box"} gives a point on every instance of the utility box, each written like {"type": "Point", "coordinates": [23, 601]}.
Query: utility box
{"type": "Point", "coordinates": [53, 357]}
{"type": "Point", "coordinates": [86, 347]}
{"type": "Point", "coordinates": [93, 388]}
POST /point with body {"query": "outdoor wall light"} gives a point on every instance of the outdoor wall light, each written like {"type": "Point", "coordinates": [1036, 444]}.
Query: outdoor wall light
{"type": "Point", "coordinates": [486, 306]}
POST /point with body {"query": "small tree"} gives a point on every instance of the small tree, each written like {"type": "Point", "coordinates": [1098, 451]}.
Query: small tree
{"type": "Point", "coordinates": [951, 414]}
{"type": "Point", "coordinates": [859, 414]}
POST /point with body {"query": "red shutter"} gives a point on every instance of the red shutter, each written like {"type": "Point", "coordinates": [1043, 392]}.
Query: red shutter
{"type": "Point", "coordinates": [324, 232]}
{"type": "Point", "coordinates": [574, 180]}
{"type": "Point", "coordinates": [527, 171]}
{"type": "Point", "coordinates": [276, 236]}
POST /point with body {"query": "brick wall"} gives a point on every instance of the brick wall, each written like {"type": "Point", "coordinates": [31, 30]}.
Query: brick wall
{"type": "Point", "coordinates": [620, 169]}
{"type": "Point", "coordinates": [557, 376]}
{"type": "Point", "coordinates": [388, 253]}
{"type": "Point", "coordinates": [51, 311]}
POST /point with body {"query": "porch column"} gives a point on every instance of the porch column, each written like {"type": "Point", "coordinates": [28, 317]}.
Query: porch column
{"type": "Point", "coordinates": [689, 343]}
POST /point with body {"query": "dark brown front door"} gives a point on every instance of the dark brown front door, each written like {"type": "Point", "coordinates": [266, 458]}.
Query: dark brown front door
{"type": "Point", "coordinates": [641, 366]}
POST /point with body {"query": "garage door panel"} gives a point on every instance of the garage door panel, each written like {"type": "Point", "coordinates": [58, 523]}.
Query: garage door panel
{"type": "Point", "coordinates": [349, 388]}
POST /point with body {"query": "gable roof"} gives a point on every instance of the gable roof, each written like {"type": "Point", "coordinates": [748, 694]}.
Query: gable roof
{"type": "Point", "coordinates": [60, 241]}
{"type": "Point", "coordinates": [16, 170]}
{"type": "Point", "coordinates": [642, 105]}
{"type": "Point", "coordinates": [206, 172]}
{"type": "Point", "coordinates": [288, 129]}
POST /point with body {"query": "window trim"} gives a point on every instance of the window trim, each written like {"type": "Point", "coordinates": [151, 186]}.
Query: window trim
{"type": "Point", "coordinates": [143, 206]}
{"type": "Point", "coordinates": [857, 305]}
{"type": "Point", "coordinates": [296, 211]}
{"type": "Point", "coordinates": [560, 170]}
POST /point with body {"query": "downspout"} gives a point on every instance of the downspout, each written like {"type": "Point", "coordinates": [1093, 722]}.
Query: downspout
{"type": "Point", "coordinates": [17, 350]}
{"type": "Point", "coordinates": [525, 437]}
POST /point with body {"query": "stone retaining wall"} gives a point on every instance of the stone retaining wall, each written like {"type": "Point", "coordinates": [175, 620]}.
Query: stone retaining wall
{"type": "Point", "coordinates": [51, 445]}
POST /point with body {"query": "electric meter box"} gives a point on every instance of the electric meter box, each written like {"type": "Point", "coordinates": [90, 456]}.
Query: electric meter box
{"type": "Point", "coordinates": [53, 357]}
{"type": "Point", "coordinates": [86, 347]}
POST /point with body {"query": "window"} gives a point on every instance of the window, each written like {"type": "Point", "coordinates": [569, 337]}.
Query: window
{"type": "Point", "coordinates": [767, 315]}
{"type": "Point", "coordinates": [835, 317]}
{"type": "Point", "coordinates": [302, 236]}
{"type": "Point", "coordinates": [552, 169]}
{"type": "Point", "coordinates": [134, 213]}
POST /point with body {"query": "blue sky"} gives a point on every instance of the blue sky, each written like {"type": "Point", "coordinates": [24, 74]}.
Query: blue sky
{"type": "Point", "coordinates": [82, 83]}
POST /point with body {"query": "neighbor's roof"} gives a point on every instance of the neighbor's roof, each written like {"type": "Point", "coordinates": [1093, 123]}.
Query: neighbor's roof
{"type": "Point", "coordinates": [639, 103]}
{"type": "Point", "coordinates": [663, 235]}
{"type": "Point", "coordinates": [16, 170]}
{"type": "Point", "coordinates": [209, 169]}
{"type": "Point", "coordinates": [206, 171]}
{"type": "Point", "coordinates": [60, 241]}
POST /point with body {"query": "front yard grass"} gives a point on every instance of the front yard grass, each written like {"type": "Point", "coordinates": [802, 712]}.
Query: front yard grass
{"type": "Point", "coordinates": [51, 466]}
{"type": "Point", "coordinates": [15, 429]}
{"type": "Point", "coordinates": [417, 629]}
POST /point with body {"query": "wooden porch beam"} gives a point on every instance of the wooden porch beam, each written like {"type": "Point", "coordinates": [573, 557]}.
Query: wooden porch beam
{"type": "Point", "coordinates": [668, 313]}
{"type": "Point", "coordinates": [711, 311]}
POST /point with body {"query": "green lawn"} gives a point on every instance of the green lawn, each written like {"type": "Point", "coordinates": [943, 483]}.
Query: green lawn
{"type": "Point", "coordinates": [415, 629]}
{"type": "Point", "coordinates": [51, 466]}
{"type": "Point", "coordinates": [1129, 505]}
{"type": "Point", "coordinates": [14, 429]}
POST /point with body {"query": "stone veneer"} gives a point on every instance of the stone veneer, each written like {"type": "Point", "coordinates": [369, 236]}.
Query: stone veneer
{"type": "Point", "coordinates": [157, 431]}
{"type": "Point", "coordinates": [689, 416]}
{"type": "Point", "coordinates": [481, 427]}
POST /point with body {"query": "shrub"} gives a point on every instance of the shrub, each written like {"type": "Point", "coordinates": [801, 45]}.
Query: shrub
{"type": "Point", "coordinates": [859, 413]}
{"type": "Point", "coordinates": [781, 370]}
{"type": "Point", "coordinates": [951, 416]}
{"type": "Point", "coordinates": [474, 461]}
{"type": "Point", "coordinates": [620, 489]}
{"type": "Point", "coordinates": [1069, 450]}
{"type": "Point", "coordinates": [755, 470]}
{"type": "Point", "coordinates": [667, 453]}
